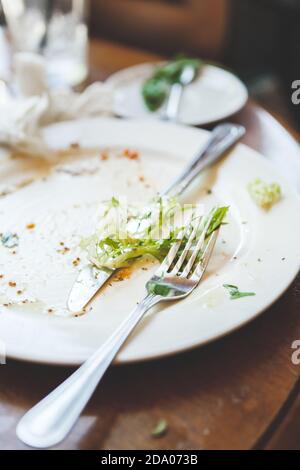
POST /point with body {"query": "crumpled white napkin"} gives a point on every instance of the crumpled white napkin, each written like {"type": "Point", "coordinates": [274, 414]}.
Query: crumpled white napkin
{"type": "Point", "coordinates": [22, 118]}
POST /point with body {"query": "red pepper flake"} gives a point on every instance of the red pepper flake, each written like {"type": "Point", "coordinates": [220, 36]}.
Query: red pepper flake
{"type": "Point", "coordinates": [12, 284]}
{"type": "Point", "coordinates": [123, 274]}
{"type": "Point", "coordinates": [131, 154]}
{"type": "Point", "coordinates": [104, 156]}
{"type": "Point", "coordinates": [30, 226]}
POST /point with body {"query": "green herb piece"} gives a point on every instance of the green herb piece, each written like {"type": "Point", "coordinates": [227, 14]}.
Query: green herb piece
{"type": "Point", "coordinates": [264, 195]}
{"type": "Point", "coordinates": [156, 89]}
{"type": "Point", "coordinates": [158, 289]}
{"type": "Point", "coordinates": [160, 429]}
{"type": "Point", "coordinates": [10, 240]}
{"type": "Point", "coordinates": [115, 202]}
{"type": "Point", "coordinates": [235, 293]}
{"type": "Point", "coordinates": [216, 219]}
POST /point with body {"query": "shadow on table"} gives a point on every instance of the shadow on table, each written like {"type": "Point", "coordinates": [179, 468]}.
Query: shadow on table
{"type": "Point", "coordinates": [222, 395]}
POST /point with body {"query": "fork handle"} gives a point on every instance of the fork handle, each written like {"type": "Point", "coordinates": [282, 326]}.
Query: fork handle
{"type": "Point", "coordinates": [48, 422]}
{"type": "Point", "coordinates": [174, 102]}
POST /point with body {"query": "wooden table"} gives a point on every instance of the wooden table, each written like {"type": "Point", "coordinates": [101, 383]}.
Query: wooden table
{"type": "Point", "coordinates": [240, 392]}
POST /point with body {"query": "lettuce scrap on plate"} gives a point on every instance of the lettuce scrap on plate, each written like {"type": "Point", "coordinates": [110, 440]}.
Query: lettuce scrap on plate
{"type": "Point", "coordinates": [265, 195]}
{"type": "Point", "coordinates": [156, 88]}
{"type": "Point", "coordinates": [127, 232]}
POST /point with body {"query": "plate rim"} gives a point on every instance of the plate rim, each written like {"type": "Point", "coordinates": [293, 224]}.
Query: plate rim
{"type": "Point", "coordinates": [162, 355]}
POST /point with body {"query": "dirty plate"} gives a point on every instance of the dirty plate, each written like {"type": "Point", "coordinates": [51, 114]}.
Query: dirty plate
{"type": "Point", "coordinates": [50, 207]}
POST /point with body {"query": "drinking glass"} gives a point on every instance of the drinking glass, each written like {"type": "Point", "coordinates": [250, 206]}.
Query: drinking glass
{"type": "Point", "coordinates": [57, 29]}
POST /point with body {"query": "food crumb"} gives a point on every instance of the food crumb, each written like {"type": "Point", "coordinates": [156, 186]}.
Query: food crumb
{"type": "Point", "coordinates": [12, 284]}
{"type": "Point", "coordinates": [19, 292]}
{"type": "Point", "coordinates": [10, 240]}
{"type": "Point", "coordinates": [30, 226]}
{"type": "Point", "coordinates": [142, 178]}
{"type": "Point", "coordinates": [104, 156]}
{"type": "Point", "coordinates": [131, 154]}
{"type": "Point", "coordinates": [64, 250]}
{"type": "Point", "coordinates": [74, 145]}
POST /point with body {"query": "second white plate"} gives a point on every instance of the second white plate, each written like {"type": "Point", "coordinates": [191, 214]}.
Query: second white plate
{"type": "Point", "coordinates": [214, 95]}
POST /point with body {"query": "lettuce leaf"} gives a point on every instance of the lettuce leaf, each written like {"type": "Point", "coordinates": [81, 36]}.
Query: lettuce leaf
{"type": "Point", "coordinates": [264, 195]}
{"type": "Point", "coordinates": [150, 231]}
{"type": "Point", "coordinates": [156, 89]}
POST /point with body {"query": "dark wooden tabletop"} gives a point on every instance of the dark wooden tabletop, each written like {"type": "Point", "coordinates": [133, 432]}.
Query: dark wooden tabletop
{"type": "Point", "coordinates": [240, 392]}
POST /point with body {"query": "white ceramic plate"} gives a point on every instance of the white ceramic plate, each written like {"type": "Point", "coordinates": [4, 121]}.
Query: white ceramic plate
{"type": "Point", "coordinates": [214, 95]}
{"type": "Point", "coordinates": [258, 251]}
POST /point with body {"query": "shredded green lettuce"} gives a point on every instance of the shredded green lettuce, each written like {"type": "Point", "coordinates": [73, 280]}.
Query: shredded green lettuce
{"type": "Point", "coordinates": [264, 195]}
{"type": "Point", "coordinates": [155, 90]}
{"type": "Point", "coordinates": [148, 231]}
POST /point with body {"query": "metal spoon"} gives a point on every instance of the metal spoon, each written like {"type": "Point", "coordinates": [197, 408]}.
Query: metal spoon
{"type": "Point", "coordinates": [186, 77]}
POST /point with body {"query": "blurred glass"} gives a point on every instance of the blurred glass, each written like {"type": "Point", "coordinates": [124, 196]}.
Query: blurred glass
{"type": "Point", "coordinates": [57, 29]}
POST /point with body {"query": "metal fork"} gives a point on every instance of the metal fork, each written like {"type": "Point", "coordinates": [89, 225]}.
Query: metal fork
{"type": "Point", "coordinates": [48, 423]}
{"type": "Point", "coordinates": [90, 279]}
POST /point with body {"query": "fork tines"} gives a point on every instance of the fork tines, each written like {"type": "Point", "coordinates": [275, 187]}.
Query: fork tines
{"type": "Point", "coordinates": [188, 259]}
